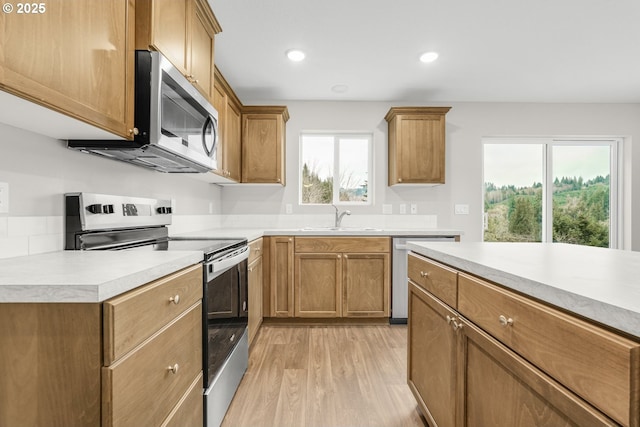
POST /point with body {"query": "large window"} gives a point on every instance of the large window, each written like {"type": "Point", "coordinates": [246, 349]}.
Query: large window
{"type": "Point", "coordinates": [335, 168]}
{"type": "Point", "coordinates": [544, 190]}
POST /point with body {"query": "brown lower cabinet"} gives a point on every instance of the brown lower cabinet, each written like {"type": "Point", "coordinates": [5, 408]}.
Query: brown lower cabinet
{"type": "Point", "coordinates": [133, 360]}
{"type": "Point", "coordinates": [329, 277]}
{"type": "Point", "coordinates": [463, 375]}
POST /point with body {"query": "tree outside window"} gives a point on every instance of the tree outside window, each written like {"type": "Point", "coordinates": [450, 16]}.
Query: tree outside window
{"type": "Point", "coordinates": [551, 190]}
{"type": "Point", "coordinates": [335, 168]}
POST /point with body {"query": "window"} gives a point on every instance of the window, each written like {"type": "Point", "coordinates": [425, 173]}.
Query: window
{"type": "Point", "coordinates": [335, 168]}
{"type": "Point", "coordinates": [551, 190]}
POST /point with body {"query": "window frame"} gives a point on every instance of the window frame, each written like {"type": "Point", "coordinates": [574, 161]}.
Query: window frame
{"type": "Point", "coordinates": [337, 136]}
{"type": "Point", "coordinates": [615, 179]}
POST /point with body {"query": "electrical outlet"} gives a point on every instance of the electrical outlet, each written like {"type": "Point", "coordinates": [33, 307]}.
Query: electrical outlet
{"type": "Point", "coordinates": [414, 208]}
{"type": "Point", "coordinates": [4, 197]}
{"type": "Point", "coordinates": [210, 207]}
{"type": "Point", "coordinates": [288, 208]}
{"type": "Point", "coordinates": [387, 209]}
{"type": "Point", "coordinates": [461, 209]}
{"type": "Point", "coordinates": [403, 208]}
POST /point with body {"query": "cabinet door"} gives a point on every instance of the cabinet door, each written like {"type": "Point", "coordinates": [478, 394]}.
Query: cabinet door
{"type": "Point", "coordinates": [262, 148]}
{"type": "Point", "coordinates": [255, 297]}
{"type": "Point", "coordinates": [169, 31]}
{"type": "Point", "coordinates": [281, 276]}
{"type": "Point", "coordinates": [232, 149]}
{"type": "Point", "coordinates": [432, 358]}
{"type": "Point", "coordinates": [420, 149]}
{"type": "Point", "coordinates": [366, 285]}
{"type": "Point", "coordinates": [75, 57]}
{"type": "Point", "coordinates": [318, 285]}
{"type": "Point", "coordinates": [220, 104]}
{"type": "Point", "coordinates": [200, 54]}
{"type": "Point", "coordinates": [502, 389]}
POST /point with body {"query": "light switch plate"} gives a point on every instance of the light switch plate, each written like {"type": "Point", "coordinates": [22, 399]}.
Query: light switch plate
{"type": "Point", "coordinates": [288, 208]}
{"type": "Point", "coordinates": [461, 209]}
{"type": "Point", "coordinates": [4, 197]}
{"type": "Point", "coordinates": [403, 208]}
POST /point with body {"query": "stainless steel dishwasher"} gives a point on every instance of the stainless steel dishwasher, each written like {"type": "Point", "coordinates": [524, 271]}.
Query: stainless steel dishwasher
{"type": "Point", "coordinates": [399, 286]}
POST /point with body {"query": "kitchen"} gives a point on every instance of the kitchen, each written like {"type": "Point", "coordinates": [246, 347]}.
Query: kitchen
{"type": "Point", "coordinates": [40, 169]}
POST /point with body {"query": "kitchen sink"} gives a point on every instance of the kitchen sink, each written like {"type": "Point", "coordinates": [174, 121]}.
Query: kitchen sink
{"type": "Point", "coordinates": [340, 229]}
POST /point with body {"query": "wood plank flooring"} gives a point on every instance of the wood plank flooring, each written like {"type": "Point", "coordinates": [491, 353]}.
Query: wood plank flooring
{"type": "Point", "coordinates": [326, 376]}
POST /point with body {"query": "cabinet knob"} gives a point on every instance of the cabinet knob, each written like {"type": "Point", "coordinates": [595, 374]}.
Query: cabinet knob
{"type": "Point", "coordinates": [505, 321]}
{"type": "Point", "coordinates": [449, 319]}
{"type": "Point", "coordinates": [134, 131]}
{"type": "Point", "coordinates": [399, 179]}
{"type": "Point", "coordinates": [339, 256]}
{"type": "Point", "coordinates": [175, 299]}
{"type": "Point", "coordinates": [174, 368]}
{"type": "Point", "coordinates": [424, 274]}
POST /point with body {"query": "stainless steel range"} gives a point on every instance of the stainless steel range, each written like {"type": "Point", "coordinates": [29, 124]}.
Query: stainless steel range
{"type": "Point", "coordinates": [106, 222]}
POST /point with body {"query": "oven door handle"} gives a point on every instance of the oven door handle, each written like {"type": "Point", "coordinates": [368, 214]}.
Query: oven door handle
{"type": "Point", "coordinates": [215, 268]}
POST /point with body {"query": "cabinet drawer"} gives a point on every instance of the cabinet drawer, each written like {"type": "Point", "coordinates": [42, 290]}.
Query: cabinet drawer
{"type": "Point", "coordinates": [140, 388]}
{"type": "Point", "coordinates": [342, 244]}
{"type": "Point", "coordinates": [133, 317]}
{"type": "Point", "coordinates": [436, 278]}
{"type": "Point", "coordinates": [189, 411]}
{"type": "Point", "coordinates": [600, 366]}
{"type": "Point", "coordinates": [255, 250]}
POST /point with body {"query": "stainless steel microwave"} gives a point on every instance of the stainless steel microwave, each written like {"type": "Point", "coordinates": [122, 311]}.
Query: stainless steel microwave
{"type": "Point", "coordinates": [176, 128]}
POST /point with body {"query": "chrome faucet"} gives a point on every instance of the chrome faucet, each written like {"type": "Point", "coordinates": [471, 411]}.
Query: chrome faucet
{"type": "Point", "coordinates": [340, 215]}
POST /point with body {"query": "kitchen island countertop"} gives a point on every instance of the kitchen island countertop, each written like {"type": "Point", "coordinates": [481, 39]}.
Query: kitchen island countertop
{"type": "Point", "coordinates": [85, 276]}
{"type": "Point", "coordinates": [598, 283]}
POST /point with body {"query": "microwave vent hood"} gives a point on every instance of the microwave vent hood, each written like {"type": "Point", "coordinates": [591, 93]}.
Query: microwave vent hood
{"type": "Point", "coordinates": [150, 156]}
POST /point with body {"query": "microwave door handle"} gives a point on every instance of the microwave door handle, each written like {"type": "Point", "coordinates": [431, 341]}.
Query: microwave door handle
{"type": "Point", "coordinates": [210, 122]}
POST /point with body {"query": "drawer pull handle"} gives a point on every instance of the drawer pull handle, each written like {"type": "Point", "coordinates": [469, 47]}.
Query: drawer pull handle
{"type": "Point", "coordinates": [424, 273]}
{"type": "Point", "coordinates": [504, 321]}
{"type": "Point", "coordinates": [175, 300]}
{"type": "Point", "coordinates": [174, 368]}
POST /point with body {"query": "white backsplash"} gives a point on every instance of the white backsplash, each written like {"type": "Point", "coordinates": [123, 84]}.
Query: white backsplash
{"type": "Point", "coordinates": [27, 235]}
{"type": "Point", "coordinates": [327, 220]}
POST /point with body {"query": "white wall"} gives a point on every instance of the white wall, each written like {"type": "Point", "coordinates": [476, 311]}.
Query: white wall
{"type": "Point", "coordinates": [467, 124]}
{"type": "Point", "coordinates": [39, 170]}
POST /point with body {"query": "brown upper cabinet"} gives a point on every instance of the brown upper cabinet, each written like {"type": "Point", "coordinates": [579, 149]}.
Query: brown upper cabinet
{"type": "Point", "coordinates": [416, 145]}
{"type": "Point", "coordinates": [263, 144]}
{"type": "Point", "coordinates": [91, 78]}
{"type": "Point", "coordinates": [183, 31]}
{"type": "Point", "coordinates": [229, 110]}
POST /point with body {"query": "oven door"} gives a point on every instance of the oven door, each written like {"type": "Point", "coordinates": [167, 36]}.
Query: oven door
{"type": "Point", "coordinates": [225, 316]}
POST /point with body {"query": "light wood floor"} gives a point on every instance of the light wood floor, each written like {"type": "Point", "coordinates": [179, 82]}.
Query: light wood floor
{"type": "Point", "coordinates": [326, 376]}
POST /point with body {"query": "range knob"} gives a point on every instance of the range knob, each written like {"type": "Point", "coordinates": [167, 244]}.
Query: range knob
{"type": "Point", "coordinates": [162, 210]}
{"type": "Point", "coordinates": [95, 209]}
{"type": "Point", "coordinates": [108, 209]}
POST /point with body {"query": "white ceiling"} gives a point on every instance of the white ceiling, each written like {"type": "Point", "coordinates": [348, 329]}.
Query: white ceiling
{"type": "Point", "coordinates": [490, 50]}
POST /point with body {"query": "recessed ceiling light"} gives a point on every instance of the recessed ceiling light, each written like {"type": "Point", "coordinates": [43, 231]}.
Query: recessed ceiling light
{"type": "Point", "coordinates": [428, 57]}
{"type": "Point", "coordinates": [340, 88]}
{"type": "Point", "coordinates": [296, 55]}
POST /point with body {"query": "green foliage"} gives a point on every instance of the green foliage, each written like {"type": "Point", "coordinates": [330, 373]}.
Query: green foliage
{"type": "Point", "coordinates": [580, 212]}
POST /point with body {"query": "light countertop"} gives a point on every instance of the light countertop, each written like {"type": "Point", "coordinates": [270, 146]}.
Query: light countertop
{"type": "Point", "coordinates": [597, 283]}
{"type": "Point", "coordinates": [95, 276]}
{"type": "Point", "coordinates": [85, 276]}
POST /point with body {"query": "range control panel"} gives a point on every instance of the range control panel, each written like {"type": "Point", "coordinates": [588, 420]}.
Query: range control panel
{"type": "Point", "coordinates": [102, 211]}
